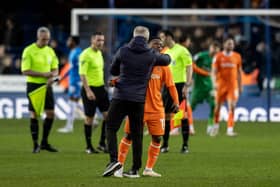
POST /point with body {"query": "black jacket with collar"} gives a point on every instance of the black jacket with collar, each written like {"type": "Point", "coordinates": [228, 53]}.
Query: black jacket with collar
{"type": "Point", "coordinates": [133, 64]}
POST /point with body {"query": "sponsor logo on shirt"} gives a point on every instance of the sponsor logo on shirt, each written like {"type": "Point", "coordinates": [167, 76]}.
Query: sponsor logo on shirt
{"type": "Point", "coordinates": [227, 65]}
{"type": "Point", "coordinates": [155, 76]}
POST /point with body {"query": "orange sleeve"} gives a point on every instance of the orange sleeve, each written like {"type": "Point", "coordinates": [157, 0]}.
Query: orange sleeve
{"type": "Point", "coordinates": [64, 81]}
{"type": "Point", "coordinates": [169, 83]}
{"type": "Point", "coordinates": [240, 60]}
{"type": "Point", "coordinates": [200, 71]}
{"type": "Point", "coordinates": [163, 50]}
{"type": "Point", "coordinates": [215, 62]}
{"type": "Point", "coordinates": [174, 94]}
{"type": "Point", "coordinates": [167, 76]}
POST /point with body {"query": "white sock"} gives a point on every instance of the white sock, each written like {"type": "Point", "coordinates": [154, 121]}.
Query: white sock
{"type": "Point", "coordinates": [230, 129]}
{"type": "Point", "coordinates": [216, 126]}
{"type": "Point", "coordinates": [71, 115]}
{"type": "Point", "coordinates": [191, 127]}
{"type": "Point", "coordinates": [209, 128]}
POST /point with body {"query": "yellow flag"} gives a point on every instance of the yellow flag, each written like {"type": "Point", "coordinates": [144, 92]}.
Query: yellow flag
{"type": "Point", "coordinates": [37, 98]}
{"type": "Point", "coordinates": [177, 118]}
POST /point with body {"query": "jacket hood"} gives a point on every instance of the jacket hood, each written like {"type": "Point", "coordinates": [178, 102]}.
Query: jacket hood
{"type": "Point", "coordinates": [138, 44]}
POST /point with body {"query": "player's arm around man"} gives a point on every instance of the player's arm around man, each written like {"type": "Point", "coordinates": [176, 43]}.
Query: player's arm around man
{"type": "Point", "coordinates": [153, 116]}
{"type": "Point", "coordinates": [133, 64]}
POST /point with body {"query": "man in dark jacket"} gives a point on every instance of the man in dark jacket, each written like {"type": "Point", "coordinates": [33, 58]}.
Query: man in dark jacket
{"type": "Point", "coordinates": [133, 64]}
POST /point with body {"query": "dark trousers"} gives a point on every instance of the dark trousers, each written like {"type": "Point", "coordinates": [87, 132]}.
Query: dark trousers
{"type": "Point", "coordinates": [118, 110]}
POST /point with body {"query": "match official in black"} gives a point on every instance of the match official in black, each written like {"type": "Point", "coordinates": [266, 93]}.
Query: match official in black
{"type": "Point", "coordinates": [133, 64]}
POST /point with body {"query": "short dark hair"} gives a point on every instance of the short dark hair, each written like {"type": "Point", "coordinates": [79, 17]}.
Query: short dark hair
{"type": "Point", "coordinates": [154, 38]}
{"type": "Point", "coordinates": [76, 39]}
{"type": "Point", "coordinates": [97, 33]}
{"type": "Point", "coordinates": [168, 33]}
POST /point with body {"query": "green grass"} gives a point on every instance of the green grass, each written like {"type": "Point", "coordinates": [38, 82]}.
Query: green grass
{"type": "Point", "coordinates": [251, 160]}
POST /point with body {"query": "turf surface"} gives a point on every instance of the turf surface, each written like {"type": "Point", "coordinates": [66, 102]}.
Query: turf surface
{"type": "Point", "coordinates": [251, 160]}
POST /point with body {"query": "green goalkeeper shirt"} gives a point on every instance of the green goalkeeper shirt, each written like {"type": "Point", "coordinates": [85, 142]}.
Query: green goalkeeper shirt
{"type": "Point", "coordinates": [91, 64]}
{"type": "Point", "coordinates": [39, 60]}
{"type": "Point", "coordinates": [180, 59]}
{"type": "Point", "coordinates": [204, 61]}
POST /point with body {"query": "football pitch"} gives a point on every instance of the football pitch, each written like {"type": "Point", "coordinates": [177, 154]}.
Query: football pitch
{"type": "Point", "coordinates": [252, 159]}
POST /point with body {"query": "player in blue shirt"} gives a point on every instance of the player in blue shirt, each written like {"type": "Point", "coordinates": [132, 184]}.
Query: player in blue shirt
{"type": "Point", "coordinates": [74, 88]}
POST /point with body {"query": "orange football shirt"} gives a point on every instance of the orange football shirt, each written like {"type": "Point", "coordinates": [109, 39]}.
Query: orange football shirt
{"type": "Point", "coordinates": [227, 66]}
{"type": "Point", "coordinates": [160, 75]}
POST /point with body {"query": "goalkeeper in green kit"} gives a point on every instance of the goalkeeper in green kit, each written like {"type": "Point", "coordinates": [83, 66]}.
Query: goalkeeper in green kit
{"type": "Point", "coordinates": [202, 87]}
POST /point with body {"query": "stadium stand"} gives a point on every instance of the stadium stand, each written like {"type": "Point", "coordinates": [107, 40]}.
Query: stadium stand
{"type": "Point", "coordinates": [18, 26]}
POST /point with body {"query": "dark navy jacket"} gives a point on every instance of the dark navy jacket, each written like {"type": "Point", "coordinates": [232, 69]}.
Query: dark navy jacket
{"type": "Point", "coordinates": [133, 64]}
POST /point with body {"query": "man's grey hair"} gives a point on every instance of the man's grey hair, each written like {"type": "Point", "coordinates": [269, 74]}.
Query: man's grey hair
{"type": "Point", "coordinates": [141, 31]}
{"type": "Point", "coordinates": [42, 29]}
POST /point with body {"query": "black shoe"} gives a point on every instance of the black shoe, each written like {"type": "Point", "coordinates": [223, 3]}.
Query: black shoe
{"type": "Point", "coordinates": [185, 149]}
{"type": "Point", "coordinates": [102, 148]}
{"type": "Point", "coordinates": [36, 148]}
{"type": "Point", "coordinates": [48, 147]}
{"type": "Point", "coordinates": [164, 149]}
{"type": "Point", "coordinates": [131, 174]}
{"type": "Point", "coordinates": [91, 150]}
{"type": "Point", "coordinates": [111, 168]}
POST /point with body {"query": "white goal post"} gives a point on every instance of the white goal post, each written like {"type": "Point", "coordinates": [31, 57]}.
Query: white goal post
{"type": "Point", "coordinates": [166, 12]}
